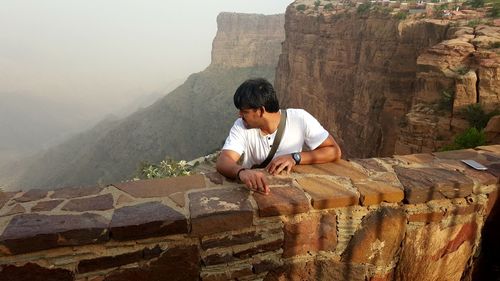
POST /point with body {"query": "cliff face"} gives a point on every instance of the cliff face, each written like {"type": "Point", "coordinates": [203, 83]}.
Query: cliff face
{"type": "Point", "coordinates": [359, 73]}
{"type": "Point", "coordinates": [464, 66]}
{"type": "Point", "coordinates": [247, 40]}
{"type": "Point", "coordinates": [191, 121]}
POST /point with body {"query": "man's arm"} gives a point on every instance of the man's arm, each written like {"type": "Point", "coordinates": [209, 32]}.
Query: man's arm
{"type": "Point", "coordinates": [327, 151]}
{"type": "Point", "coordinates": [227, 166]}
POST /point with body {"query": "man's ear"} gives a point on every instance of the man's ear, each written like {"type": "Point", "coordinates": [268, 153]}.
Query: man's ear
{"type": "Point", "coordinates": [262, 110]}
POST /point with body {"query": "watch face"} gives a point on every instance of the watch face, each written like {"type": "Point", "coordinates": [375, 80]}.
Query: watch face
{"type": "Point", "coordinates": [296, 157]}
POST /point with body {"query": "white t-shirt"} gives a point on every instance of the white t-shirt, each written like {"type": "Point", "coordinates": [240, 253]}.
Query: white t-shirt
{"type": "Point", "coordinates": [301, 128]}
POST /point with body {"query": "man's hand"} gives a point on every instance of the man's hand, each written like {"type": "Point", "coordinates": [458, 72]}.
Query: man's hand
{"type": "Point", "coordinates": [255, 180]}
{"type": "Point", "coordinates": [281, 163]}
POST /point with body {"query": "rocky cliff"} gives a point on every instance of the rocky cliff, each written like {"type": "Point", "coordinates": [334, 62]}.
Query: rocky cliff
{"type": "Point", "coordinates": [361, 73]}
{"type": "Point", "coordinates": [247, 40]}
{"type": "Point", "coordinates": [192, 120]}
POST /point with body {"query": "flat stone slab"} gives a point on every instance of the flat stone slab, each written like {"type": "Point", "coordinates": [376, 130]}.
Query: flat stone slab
{"type": "Point", "coordinates": [482, 177]}
{"type": "Point", "coordinates": [5, 197]}
{"type": "Point", "coordinates": [370, 164]}
{"type": "Point", "coordinates": [33, 232]}
{"type": "Point", "coordinates": [46, 205]}
{"type": "Point", "coordinates": [491, 148]}
{"type": "Point", "coordinates": [420, 158]}
{"type": "Point", "coordinates": [96, 203]}
{"type": "Point", "coordinates": [34, 272]}
{"type": "Point", "coordinates": [144, 220]}
{"type": "Point", "coordinates": [282, 200]}
{"type": "Point", "coordinates": [374, 192]}
{"type": "Point", "coordinates": [424, 184]}
{"type": "Point", "coordinates": [478, 156]}
{"type": "Point", "coordinates": [220, 210]}
{"type": "Point", "coordinates": [75, 192]}
{"type": "Point", "coordinates": [327, 194]}
{"type": "Point", "coordinates": [161, 187]}
{"type": "Point", "coordinates": [32, 195]}
{"type": "Point", "coordinates": [340, 168]}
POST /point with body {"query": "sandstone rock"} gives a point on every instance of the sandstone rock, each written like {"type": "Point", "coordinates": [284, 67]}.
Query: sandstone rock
{"type": "Point", "coordinates": [314, 270]}
{"type": "Point", "coordinates": [46, 205]}
{"type": "Point", "coordinates": [327, 194]}
{"type": "Point", "coordinates": [33, 232]}
{"type": "Point", "coordinates": [375, 192]}
{"type": "Point", "coordinates": [74, 192]}
{"type": "Point", "coordinates": [220, 210]}
{"type": "Point", "coordinates": [161, 187]}
{"type": "Point", "coordinates": [286, 200]}
{"type": "Point", "coordinates": [314, 233]}
{"type": "Point", "coordinates": [32, 195]}
{"type": "Point", "coordinates": [177, 263]}
{"type": "Point", "coordinates": [432, 253]}
{"type": "Point", "coordinates": [5, 197]}
{"type": "Point", "coordinates": [338, 168]}
{"type": "Point", "coordinates": [96, 203]}
{"type": "Point", "coordinates": [492, 130]}
{"type": "Point", "coordinates": [144, 220]}
{"type": "Point", "coordinates": [16, 209]}
{"type": "Point", "coordinates": [34, 272]}
{"type": "Point", "coordinates": [372, 245]}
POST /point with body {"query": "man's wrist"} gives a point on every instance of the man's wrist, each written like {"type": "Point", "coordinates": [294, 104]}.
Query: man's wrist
{"type": "Point", "coordinates": [296, 157]}
{"type": "Point", "coordinates": [238, 173]}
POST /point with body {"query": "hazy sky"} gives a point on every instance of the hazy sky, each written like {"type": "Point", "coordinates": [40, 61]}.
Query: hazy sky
{"type": "Point", "coordinates": [92, 50]}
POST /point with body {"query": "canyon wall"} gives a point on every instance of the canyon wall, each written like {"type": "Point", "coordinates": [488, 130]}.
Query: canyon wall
{"type": "Point", "coordinates": [359, 73]}
{"type": "Point", "coordinates": [412, 217]}
{"type": "Point", "coordinates": [247, 40]}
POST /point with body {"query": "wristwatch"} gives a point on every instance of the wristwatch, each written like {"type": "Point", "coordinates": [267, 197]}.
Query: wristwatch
{"type": "Point", "coordinates": [296, 157]}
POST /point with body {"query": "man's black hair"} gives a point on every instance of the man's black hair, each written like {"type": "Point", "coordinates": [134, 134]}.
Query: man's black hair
{"type": "Point", "coordinates": [255, 93]}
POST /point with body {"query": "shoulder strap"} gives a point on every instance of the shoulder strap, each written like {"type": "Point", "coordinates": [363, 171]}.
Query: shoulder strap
{"type": "Point", "coordinates": [276, 142]}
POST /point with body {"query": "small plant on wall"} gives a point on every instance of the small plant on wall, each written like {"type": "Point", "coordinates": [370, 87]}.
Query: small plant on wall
{"type": "Point", "coordinates": [301, 7]}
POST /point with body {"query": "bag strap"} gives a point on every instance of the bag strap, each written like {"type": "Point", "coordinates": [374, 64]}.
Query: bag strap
{"type": "Point", "coordinates": [276, 142]}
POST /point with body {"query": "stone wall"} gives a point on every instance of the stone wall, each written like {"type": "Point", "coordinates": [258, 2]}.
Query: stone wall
{"type": "Point", "coordinates": [412, 217]}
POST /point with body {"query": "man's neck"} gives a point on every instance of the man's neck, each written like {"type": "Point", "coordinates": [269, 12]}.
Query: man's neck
{"type": "Point", "coordinates": [271, 123]}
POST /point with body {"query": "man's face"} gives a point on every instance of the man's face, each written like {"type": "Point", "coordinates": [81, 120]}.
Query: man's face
{"type": "Point", "coordinates": [251, 117]}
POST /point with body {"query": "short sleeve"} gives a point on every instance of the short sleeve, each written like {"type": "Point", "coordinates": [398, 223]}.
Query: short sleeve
{"type": "Point", "coordinates": [315, 134]}
{"type": "Point", "coordinates": [236, 141]}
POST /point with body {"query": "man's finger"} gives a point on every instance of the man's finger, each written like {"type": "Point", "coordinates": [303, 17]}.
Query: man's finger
{"type": "Point", "coordinates": [265, 185]}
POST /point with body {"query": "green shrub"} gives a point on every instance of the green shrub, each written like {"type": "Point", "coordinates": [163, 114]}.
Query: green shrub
{"type": "Point", "coordinates": [301, 7]}
{"type": "Point", "coordinates": [364, 8]}
{"type": "Point", "coordinates": [475, 3]}
{"type": "Point", "coordinates": [166, 169]}
{"type": "Point", "coordinates": [473, 23]}
{"type": "Point", "coordinates": [328, 7]}
{"type": "Point", "coordinates": [495, 10]}
{"type": "Point", "coordinates": [468, 139]}
{"type": "Point", "coordinates": [477, 117]}
{"type": "Point", "coordinates": [401, 15]}
{"type": "Point", "coordinates": [462, 70]}
{"type": "Point", "coordinates": [494, 45]}
{"type": "Point", "coordinates": [446, 100]}
{"type": "Point", "coordinates": [316, 4]}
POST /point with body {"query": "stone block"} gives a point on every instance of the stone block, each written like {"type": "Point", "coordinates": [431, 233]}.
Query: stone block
{"type": "Point", "coordinates": [220, 210]}
{"type": "Point", "coordinates": [378, 238]}
{"type": "Point", "coordinates": [482, 177]}
{"type": "Point", "coordinates": [34, 272]}
{"type": "Point", "coordinates": [161, 187]}
{"type": "Point", "coordinates": [328, 194]}
{"type": "Point", "coordinates": [100, 263]}
{"type": "Point", "coordinates": [459, 154]}
{"type": "Point", "coordinates": [5, 197]}
{"type": "Point", "coordinates": [75, 192]}
{"type": "Point", "coordinates": [33, 232]}
{"type": "Point", "coordinates": [259, 248]}
{"type": "Point", "coordinates": [181, 263]}
{"type": "Point", "coordinates": [314, 233]}
{"type": "Point", "coordinates": [318, 269]}
{"type": "Point", "coordinates": [491, 148]}
{"type": "Point", "coordinates": [46, 205]}
{"type": "Point", "coordinates": [433, 253]}
{"type": "Point", "coordinates": [421, 158]}
{"type": "Point", "coordinates": [215, 177]}
{"type": "Point", "coordinates": [232, 239]}
{"type": "Point", "coordinates": [16, 209]}
{"type": "Point", "coordinates": [32, 195]}
{"type": "Point", "coordinates": [340, 168]}
{"type": "Point", "coordinates": [232, 273]}
{"type": "Point", "coordinates": [370, 164]}
{"type": "Point", "coordinates": [425, 184]}
{"type": "Point", "coordinates": [428, 217]}
{"type": "Point", "coordinates": [375, 192]}
{"type": "Point", "coordinates": [494, 169]}
{"type": "Point", "coordinates": [144, 220]}
{"type": "Point", "coordinates": [283, 200]}
{"type": "Point", "coordinates": [96, 203]}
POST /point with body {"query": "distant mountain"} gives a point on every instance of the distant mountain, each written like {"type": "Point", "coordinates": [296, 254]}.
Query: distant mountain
{"type": "Point", "coordinates": [191, 121]}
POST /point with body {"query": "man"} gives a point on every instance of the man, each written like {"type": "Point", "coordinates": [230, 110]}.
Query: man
{"type": "Point", "coordinates": [252, 137]}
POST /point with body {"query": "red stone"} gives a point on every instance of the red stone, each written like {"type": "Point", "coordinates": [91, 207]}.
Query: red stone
{"type": "Point", "coordinates": [385, 226]}
{"type": "Point", "coordinates": [34, 272]}
{"type": "Point", "coordinates": [181, 263]}
{"type": "Point", "coordinates": [5, 196]}
{"type": "Point", "coordinates": [375, 192]}
{"type": "Point", "coordinates": [161, 187]}
{"type": "Point", "coordinates": [96, 203]}
{"type": "Point", "coordinates": [466, 233]}
{"type": "Point", "coordinates": [144, 220]}
{"type": "Point", "coordinates": [220, 210]}
{"type": "Point", "coordinates": [312, 234]}
{"type": "Point", "coordinates": [215, 177]}
{"type": "Point", "coordinates": [283, 200]}
{"type": "Point", "coordinates": [231, 240]}
{"type": "Point", "coordinates": [46, 205]}
{"type": "Point", "coordinates": [370, 164]}
{"type": "Point", "coordinates": [75, 192]}
{"type": "Point", "coordinates": [426, 217]}
{"type": "Point", "coordinates": [327, 194]}
{"type": "Point", "coordinates": [33, 232]}
{"type": "Point", "coordinates": [338, 168]}
{"type": "Point", "coordinates": [425, 184]}
{"type": "Point", "coordinates": [32, 195]}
